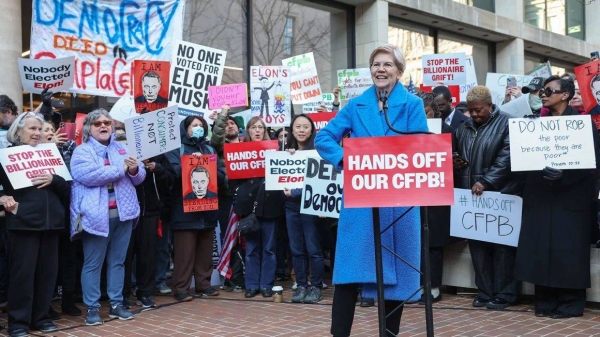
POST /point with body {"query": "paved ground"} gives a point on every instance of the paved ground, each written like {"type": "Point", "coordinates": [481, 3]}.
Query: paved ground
{"type": "Point", "coordinates": [230, 314]}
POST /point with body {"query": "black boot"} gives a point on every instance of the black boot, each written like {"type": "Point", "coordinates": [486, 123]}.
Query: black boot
{"type": "Point", "coordinates": [68, 304]}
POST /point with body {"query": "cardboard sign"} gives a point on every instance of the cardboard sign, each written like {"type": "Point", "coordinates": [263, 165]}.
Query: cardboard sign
{"type": "Point", "coordinates": [270, 93]}
{"type": "Point", "coordinates": [194, 68]}
{"type": "Point", "coordinates": [435, 125]}
{"type": "Point", "coordinates": [123, 109]}
{"type": "Point", "coordinates": [588, 78]}
{"type": "Point", "coordinates": [79, 118]}
{"type": "Point", "coordinates": [56, 75]}
{"type": "Point", "coordinates": [353, 82]}
{"type": "Point", "coordinates": [471, 78]}
{"type": "Point", "coordinates": [232, 94]}
{"type": "Point", "coordinates": [497, 85]}
{"type": "Point", "coordinates": [518, 107]}
{"type": "Point", "coordinates": [321, 119]}
{"type": "Point", "coordinates": [284, 170]}
{"type": "Point", "coordinates": [398, 171]}
{"type": "Point", "coordinates": [541, 70]}
{"type": "Point", "coordinates": [247, 160]}
{"type": "Point", "coordinates": [326, 100]}
{"type": "Point", "coordinates": [199, 183]}
{"type": "Point", "coordinates": [564, 142]}
{"type": "Point", "coordinates": [323, 188]}
{"type": "Point", "coordinates": [68, 129]}
{"type": "Point", "coordinates": [445, 69]}
{"type": "Point", "coordinates": [105, 37]}
{"type": "Point", "coordinates": [22, 163]}
{"type": "Point", "coordinates": [454, 91]}
{"type": "Point", "coordinates": [492, 217]}
{"type": "Point", "coordinates": [150, 84]}
{"type": "Point", "coordinates": [305, 85]}
{"type": "Point", "coordinates": [153, 133]}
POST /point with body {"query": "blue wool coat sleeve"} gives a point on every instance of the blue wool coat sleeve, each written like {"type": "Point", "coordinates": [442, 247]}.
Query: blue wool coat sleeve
{"type": "Point", "coordinates": [328, 139]}
{"type": "Point", "coordinates": [86, 170]}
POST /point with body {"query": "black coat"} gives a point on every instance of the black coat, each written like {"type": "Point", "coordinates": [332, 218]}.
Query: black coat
{"type": "Point", "coordinates": [156, 187]}
{"type": "Point", "coordinates": [269, 204]}
{"type": "Point", "coordinates": [457, 119]}
{"type": "Point", "coordinates": [554, 248]}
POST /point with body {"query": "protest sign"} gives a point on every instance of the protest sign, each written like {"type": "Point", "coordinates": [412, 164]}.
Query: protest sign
{"type": "Point", "coordinates": [105, 36]}
{"type": "Point", "coordinates": [199, 183]}
{"type": "Point", "coordinates": [518, 107]}
{"type": "Point", "coordinates": [471, 78]}
{"type": "Point", "coordinates": [286, 170]}
{"type": "Point", "coordinates": [396, 171]}
{"type": "Point", "coordinates": [150, 84]}
{"type": "Point", "coordinates": [153, 133]}
{"type": "Point", "coordinates": [68, 129]}
{"type": "Point", "coordinates": [561, 142]}
{"type": "Point", "coordinates": [24, 162]}
{"type": "Point", "coordinates": [232, 94]}
{"type": "Point", "coordinates": [323, 188]}
{"type": "Point", "coordinates": [215, 278]}
{"type": "Point", "coordinates": [588, 78]}
{"type": "Point", "coordinates": [326, 100]}
{"type": "Point", "coordinates": [454, 91]}
{"type": "Point", "coordinates": [435, 125]}
{"type": "Point", "coordinates": [497, 84]}
{"type": "Point", "coordinates": [56, 74]}
{"type": "Point", "coordinates": [492, 217]}
{"type": "Point", "coordinates": [194, 68]}
{"type": "Point", "coordinates": [79, 118]}
{"type": "Point", "coordinates": [321, 119]}
{"type": "Point", "coordinates": [247, 160]}
{"type": "Point", "coordinates": [305, 86]}
{"type": "Point", "coordinates": [541, 70]}
{"type": "Point", "coordinates": [123, 109]}
{"type": "Point", "coordinates": [270, 94]}
{"type": "Point", "coordinates": [353, 82]}
{"type": "Point", "coordinates": [446, 69]}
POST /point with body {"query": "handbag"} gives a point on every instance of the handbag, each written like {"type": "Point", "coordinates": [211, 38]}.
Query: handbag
{"type": "Point", "coordinates": [249, 224]}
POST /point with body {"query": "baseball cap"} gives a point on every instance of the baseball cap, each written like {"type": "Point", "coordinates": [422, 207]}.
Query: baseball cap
{"type": "Point", "coordinates": [534, 85]}
{"type": "Point", "coordinates": [462, 106]}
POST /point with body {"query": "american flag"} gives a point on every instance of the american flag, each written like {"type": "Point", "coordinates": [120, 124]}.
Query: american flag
{"type": "Point", "coordinates": [231, 236]}
{"type": "Point", "coordinates": [411, 87]}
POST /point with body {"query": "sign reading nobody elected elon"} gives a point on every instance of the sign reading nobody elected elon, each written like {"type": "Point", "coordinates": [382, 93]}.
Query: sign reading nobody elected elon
{"type": "Point", "coordinates": [564, 142]}
{"type": "Point", "coordinates": [398, 171]}
{"type": "Point", "coordinates": [491, 217]}
{"type": "Point", "coordinates": [286, 170]}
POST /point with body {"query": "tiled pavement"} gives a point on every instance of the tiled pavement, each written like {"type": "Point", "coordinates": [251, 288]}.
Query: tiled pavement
{"type": "Point", "coordinates": [230, 314]}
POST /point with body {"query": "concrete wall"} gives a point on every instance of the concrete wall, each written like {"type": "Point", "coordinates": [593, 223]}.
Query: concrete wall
{"type": "Point", "coordinates": [10, 50]}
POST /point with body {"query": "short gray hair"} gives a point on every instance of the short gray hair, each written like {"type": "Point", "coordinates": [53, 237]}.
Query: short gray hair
{"type": "Point", "coordinates": [396, 53]}
{"type": "Point", "coordinates": [89, 120]}
{"type": "Point", "coordinates": [12, 134]}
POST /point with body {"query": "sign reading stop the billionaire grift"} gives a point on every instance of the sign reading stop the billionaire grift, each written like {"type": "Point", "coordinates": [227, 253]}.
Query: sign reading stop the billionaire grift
{"type": "Point", "coordinates": [398, 171]}
{"type": "Point", "coordinates": [247, 160]}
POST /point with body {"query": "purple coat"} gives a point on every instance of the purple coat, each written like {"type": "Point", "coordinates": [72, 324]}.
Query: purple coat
{"type": "Point", "coordinates": [89, 192]}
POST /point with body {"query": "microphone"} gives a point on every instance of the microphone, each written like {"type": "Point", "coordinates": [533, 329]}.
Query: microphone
{"type": "Point", "coordinates": [383, 96]}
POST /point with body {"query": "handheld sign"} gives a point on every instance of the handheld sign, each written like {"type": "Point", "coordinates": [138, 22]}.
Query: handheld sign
{"type": "Point", "coordinates": [445, 69]}
{"type": "Point", "coordinates": [497, 84]}
{"type": "Point", "coordinates": [22, 163]}
{"type": "Point", "coordinates": [79, 118]}
{"type": "Point", "coordinates": [398, 171]}
{"type": "Point", "coordinates": [284, 170]}
{"type": "Point", "coordinates": [247, 160]}
{"type": "Point", "coordinates": [153, 133]}
{"type": "Point", "coordinates": [305, 85]}
{"type": "Point", "coordinates": [564, 142]}
{"type": "Point", "coordinates": [150, 84]}
{"type": "Point", "coordinates": [353, 82]}
{"type": "Point", "coordinates": [232, 94]}
{"type": "Point", "coordinates": [326, 100]}
{"type": "Point", "coordinates": [588, 78]}
{"type": "Point", "coordinates": [199, 183]}
{"type": "Point", "coordinates": [323, 188]}
{"type": "Point", "coordinates": [270, 94]}
{"type": "Point", "coordinates": [491, 217]}
{"type": "Point", "coordinates": [435, 125]}
{"type": "Point", "coordinates": [321, 119]}
{"type": "Point", "coordinates": [54, 74]}
{"type": "Point", "coordinates": [454, 91]}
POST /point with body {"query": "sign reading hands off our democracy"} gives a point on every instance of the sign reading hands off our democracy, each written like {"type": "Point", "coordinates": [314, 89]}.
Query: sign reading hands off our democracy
{"type": "Point", "coordinates": [153, 133]}
{"type": "Point", "coordinates": [323, 188]}
{"type": "Point", "coordinates": [398, 171]}
{"type": "Point", "coordinates": [22, 163]}
{"type": "Point", "coordinates": [491, 217]}
{"type": "Point", "coordinates": [564, 142]}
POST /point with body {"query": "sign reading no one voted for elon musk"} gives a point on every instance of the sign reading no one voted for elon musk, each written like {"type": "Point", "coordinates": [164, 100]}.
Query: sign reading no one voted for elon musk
{"type": "Point", "coordinates": [398, 171]}
{"type": "Point", "coordinates": [247, 160]}
{"type": "Point", "coordinates": [323, 188]}
{"type": "Point", "coordinates": [22, 163]}
{"type": "Point", "coordinates": [491, 217]}
{"type": "Point", "coordinates": [153, 133]}
{"type": "Point", "coordinates": [286, 170]}
{"type": "Point", "coordinates": [564, 142]}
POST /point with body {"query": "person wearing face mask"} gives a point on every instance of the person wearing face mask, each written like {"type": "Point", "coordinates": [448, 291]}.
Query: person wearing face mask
{"type": "Point", "coordinates": [532, 89]}
{"type": "Point", "coordinates": [450, 116]}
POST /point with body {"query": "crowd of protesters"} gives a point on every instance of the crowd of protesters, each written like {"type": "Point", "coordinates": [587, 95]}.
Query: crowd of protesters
{"type": "Point", "coordinates": [116, 223]}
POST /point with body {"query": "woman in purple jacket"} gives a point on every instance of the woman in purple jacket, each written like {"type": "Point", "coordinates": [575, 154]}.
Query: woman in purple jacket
{"type": "Point", "coordinates": [104, 206]}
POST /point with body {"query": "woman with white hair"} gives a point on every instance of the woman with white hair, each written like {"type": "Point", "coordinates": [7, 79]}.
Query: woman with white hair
{"type": "Point", "coordinates": [34, 217]}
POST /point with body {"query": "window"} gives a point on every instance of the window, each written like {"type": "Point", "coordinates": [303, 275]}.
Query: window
{"type": "Point", "coordinates": [414, 42]}
{"type": "Point", "coordinates": [488, 5]}
{"type": "Point", "coordinates": [288, 35]}
{"type": "Point", "coordinates": [566, 17]}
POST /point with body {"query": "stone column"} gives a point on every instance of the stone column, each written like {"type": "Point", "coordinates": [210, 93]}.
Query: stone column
{"type": "Point", "coordinates": [10, 50]}
{"type": "Point", "coordinates": [510, 55]}
{"type": "Point", "coordinates": [371, 29]}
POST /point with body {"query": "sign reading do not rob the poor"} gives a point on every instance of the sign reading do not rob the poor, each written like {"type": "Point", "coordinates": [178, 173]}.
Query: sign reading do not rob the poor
{"type": "Point", "coordinates": [153, 133]}
{"type": "Point", "coordinates": [22, 163]}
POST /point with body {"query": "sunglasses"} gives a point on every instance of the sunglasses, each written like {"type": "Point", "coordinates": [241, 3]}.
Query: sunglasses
{"type": "Point", "coordinates": [99, 123]}
{"type": "Point", "coordinates": [549, 91]}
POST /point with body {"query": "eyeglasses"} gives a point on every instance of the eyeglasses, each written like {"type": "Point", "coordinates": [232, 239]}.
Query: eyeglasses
{"type": "Point", "coordinates": [99, 123]}
{"type": "Point", "coordinates": [387, 65]}
{"type": "Point", "coordinates": [549, 91]}
{"type": "Point", "coordinates": [257, 127]}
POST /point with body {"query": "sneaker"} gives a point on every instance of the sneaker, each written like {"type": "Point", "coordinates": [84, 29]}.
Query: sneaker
{"type": "Point", "coordinates": [48, 327]}
{"type": "Point", "coordinates": [314, 296]}
{"type": "Point", "coordinates": [18, 333]}
{"type": "Point", "coordinates": [126, 303]}
{"type": "Point", "coordinates": [208, 292]}
{"type": "Point", "coordinates": [238, 289]}
{"type": "Point", "coordinates": [294, 286]}
{"type": "Point", "coordinates": [184, 297]}
{"type": "Point", "coordinates": [163, 289]}
{"type": "Point", "coordinates": [299, 295]}
{"type": "Point", "coordinates": [146, 302]}
{"type": "Point", "coordinates": [93, 317]}
{"type": "Point", "coordinates": [118, 311]}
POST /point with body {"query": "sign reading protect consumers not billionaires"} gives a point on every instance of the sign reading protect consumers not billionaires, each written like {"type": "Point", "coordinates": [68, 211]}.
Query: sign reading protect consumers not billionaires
{"type": "Point", "coordinates": [153, 133]}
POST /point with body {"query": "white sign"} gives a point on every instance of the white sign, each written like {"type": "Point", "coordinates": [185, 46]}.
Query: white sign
{"type": "Point", "coordinates": [434, 125]}
{"type": "Point", "coordinates": [56, 75]}
{"type": "Point", "coordinates": [492, 217]}
{"type": "Point", "coordinates": [22, 163]}
{"type": "Point", "coordinates": [323, 188]}
{"type": "Point", "coordinates": [284, 170]}
{"type": "Point", "coordinates": [194, 68]}
{"type": "Point", "coordinates": [305, 85]}
{"type": "Point", "coordinates": [153, 133]}
{"type": "Point", "coordinates": [326, 100]}
{"type": "Point", "coordinates": [270, 94]}
{"type": "Point", "coordinates": [497, 85]}
{"type": "Point", "coordinates": [471, 78]}
{"type": "Point", "coordinates": [542, 70]}
{"type": "Point", "coordinates": [353, 82]}
{"type": "Point", "coordinates": [564, 142]}
{"type": "Point", "coordinates": [448, 69]}
{"type": "Point", "coordinates": [518, 107]}
{"type": "Point", "coordinates": [123, 109]}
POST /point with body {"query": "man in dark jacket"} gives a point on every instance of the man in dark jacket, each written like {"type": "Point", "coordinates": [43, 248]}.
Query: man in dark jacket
{"type": "Point", "coordinates": [450, 116]}
{"type": "Point", "coordinates": [482, 163]}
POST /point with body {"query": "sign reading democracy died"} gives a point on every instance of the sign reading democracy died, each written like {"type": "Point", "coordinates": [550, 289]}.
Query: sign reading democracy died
{"type": "Point", "coordinates": [247, 160]}
{"type": "Point", "coordinates": [353, 82]}
{"type": "Point", "coordinates": [150, 84]}
{"type": "Point", "coordinates": [444, 68]}
{"type": "Point", "coordinates": [398, 171]}
{"type": "Point", "coordinates": [194, 68]}
{"type": "Point", "coordinates": [323, 188]}
{"type": "Point", "coordinates": [564, 142]}
{"type": "Point", "coordinates": [56, 75]}
{"type": "Point", "coordinates": [286, 170]}
{"type": "Point", "coordinates": [270, 94]}
{"type": "Point", "coordinates": [22, 163]}
{"type": "Point", "coordinates": [491, 217]}
{"type": "Point", "coordinates": [234, 95]}
{"type": "Point", "coordinates": [153, 133]}
{"type": "Point", "coordinates": [105, 36]}
{"type": "Point", "coordinates": [305, 85]}
{"type": "Point", "coordinates": [199, 183]}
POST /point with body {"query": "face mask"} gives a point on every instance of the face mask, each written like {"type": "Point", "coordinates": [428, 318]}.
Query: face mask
{"type": "Point", "coordinates": [535, 103]}
{"type": "Point", "coordinates": [197, 132]}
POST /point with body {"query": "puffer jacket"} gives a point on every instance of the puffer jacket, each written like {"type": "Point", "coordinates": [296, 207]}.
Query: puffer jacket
{"type": "Point", "coordinates": [487, 150]}
{"type": "Point", "coordinates": [89, 192]}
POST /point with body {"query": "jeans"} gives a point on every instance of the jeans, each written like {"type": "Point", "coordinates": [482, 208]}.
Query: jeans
{"type": "Point", "coordinates": [304, 237]}
{"type": "Point", "coordinates": [260, 256]}
{"type": "Point", "coordinates": [163, 255]}
{"type": "Point", "coordinates": [95, 250]}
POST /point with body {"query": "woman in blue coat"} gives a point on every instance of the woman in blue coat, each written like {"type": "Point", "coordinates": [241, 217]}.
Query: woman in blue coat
{"type": "Point", "coordinates": [355, 254]}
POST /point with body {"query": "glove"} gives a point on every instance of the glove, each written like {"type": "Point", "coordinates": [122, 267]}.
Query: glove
{"type": "Point", "coordinates": [532, 116]}
{"type": "Point", "coordinates": [47, 97]}
{"type": "Point", "coordinates": [552, 174]}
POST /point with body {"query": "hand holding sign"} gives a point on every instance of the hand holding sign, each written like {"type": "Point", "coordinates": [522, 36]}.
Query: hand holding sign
{"type": "Point", "coordinates": [42, 180]}
{"type": "Point", "coordinates": [132, 165]}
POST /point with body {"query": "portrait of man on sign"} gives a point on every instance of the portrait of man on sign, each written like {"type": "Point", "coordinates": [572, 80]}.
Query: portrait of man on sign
{"type": "Point", "coordinates": [151, 84]}
{"type": "Point", "coordinates": [199, 180]}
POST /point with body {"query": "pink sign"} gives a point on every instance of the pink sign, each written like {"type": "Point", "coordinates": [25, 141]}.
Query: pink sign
{"type": "Point", "coordinates": [232, 94]}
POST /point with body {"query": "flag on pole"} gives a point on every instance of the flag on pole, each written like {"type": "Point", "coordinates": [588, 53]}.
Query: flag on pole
{"type": "Point", "coordinates": [231, 236]}
{"type": "Point", "coordinates": [411, 87]}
